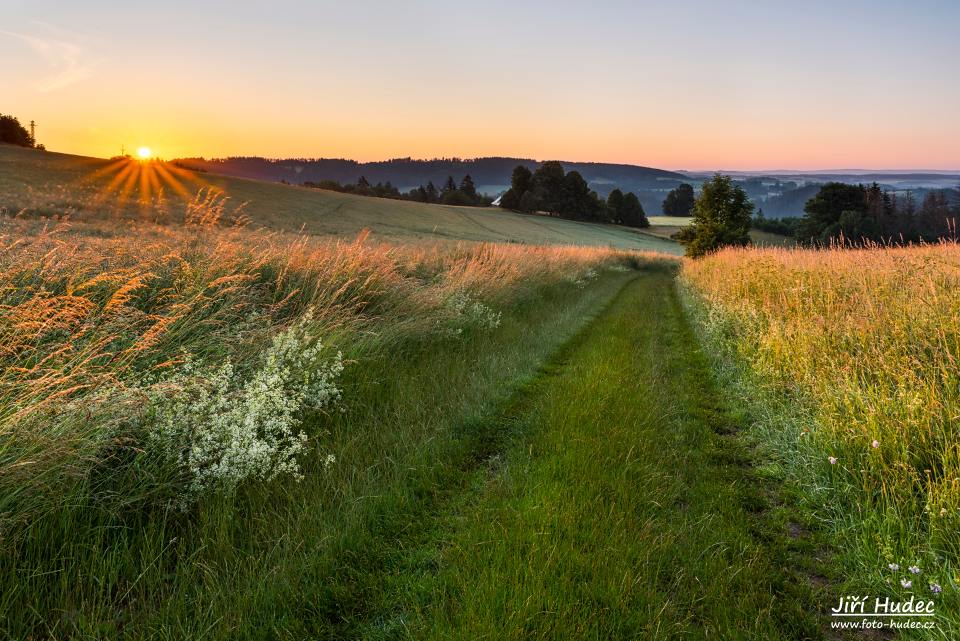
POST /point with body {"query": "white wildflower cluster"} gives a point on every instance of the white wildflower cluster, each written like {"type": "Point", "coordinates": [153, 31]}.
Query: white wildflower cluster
{"type": "Point", "coordinates": [581, 280]}
{"type": "Point", "coordinates": [223, 428]}
{"type": "Point", "coordinates": [468, 313]}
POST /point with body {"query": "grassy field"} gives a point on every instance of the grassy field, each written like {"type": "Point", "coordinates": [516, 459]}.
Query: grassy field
{"type": "Point", "coordinates": [628, 507]}
{"type": "Point", "coordinates": [51, 184]}
{"type": "Point", "coordinates": [851, 356]}
{"type": "Point", "coordinates": [161, 396]}
{"type": "Point", "coordinates": [666, 226]}
{"type": "Point", "coordinates": [238, 431]}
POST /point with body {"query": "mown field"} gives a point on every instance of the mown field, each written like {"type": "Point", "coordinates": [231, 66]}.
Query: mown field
{"type": "Point", "coordinates": [215, 425]}
{"type": "Point", "coordinates": [666, 226]}
{"type": "Point", "coordinates": [50, 184]}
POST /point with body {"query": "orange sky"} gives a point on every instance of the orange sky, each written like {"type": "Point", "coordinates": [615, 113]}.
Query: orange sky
{"type": "Point", "coordinates": [690, 86]}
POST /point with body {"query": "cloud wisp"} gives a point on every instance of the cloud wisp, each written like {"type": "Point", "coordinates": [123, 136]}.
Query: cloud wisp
{"type": "Point", "coordinates": [69, 61]}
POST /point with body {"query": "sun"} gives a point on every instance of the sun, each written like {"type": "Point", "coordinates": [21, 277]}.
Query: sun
{"type": "Point", "coordinates": [144, 153]}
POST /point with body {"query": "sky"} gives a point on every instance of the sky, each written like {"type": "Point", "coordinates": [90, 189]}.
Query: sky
{"type": "Point", "coordinates": [685, 84]}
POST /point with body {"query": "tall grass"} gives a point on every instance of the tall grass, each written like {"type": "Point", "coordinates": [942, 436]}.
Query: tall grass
{"type": "Point", "coordinates": [92, 320]}
{"type": "Point", "coordinates": [861, 347]}
{"type": "Point", "coordinates": [94, 323]}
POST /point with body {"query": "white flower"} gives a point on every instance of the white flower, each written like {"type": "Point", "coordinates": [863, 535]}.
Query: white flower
{"type": "Point", "coordinates": [222, 428]}
{"type": "Point", "coordinates": [468, 313]}
{"type": "Point", "coordinates": [875, 444]}
{"type": "Point", "coordinates": [894, 566]}
{"type": "Point", "coordinates": [906, 583]}
{"type": "Point", "coordinates": [833, 460]}
{"type": "Point", "coordinates": [914, 569]}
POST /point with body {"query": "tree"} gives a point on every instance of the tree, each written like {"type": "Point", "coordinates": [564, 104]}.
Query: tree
{"type": "Point", "coordinates": [721, 218]}
{"type": "Point", "coordinates": [520, 183]}
{"type": "Point", "coordinates": [449, 186]}
{"type": "Point", "coordinates": [822, 212]}
{"type": "Point", "coordinates": [935, 220]}
{"type": "Point", "coordinates": [679, 202]}
{"type": "Point", "coordinates": [521, 180]}
{"type": "Point", "coordinates": [632, 214]}
{"type": "Point", "coordinates": [467, 186]}
{"type": "Point", "coordinates": [576, 200]}
{"type": "Point", "coordinates": [457, 197]}
{"type": "Point", "coordinates": [615, 206]}
{"type": "Point", "coordinates": [13, 133]}
{"type": "Point", "coordinates": [548, 186]}
{"type": "Point", "coordinates": [529, 202]}
{"type": "Point", "coordinates": [431, 192]}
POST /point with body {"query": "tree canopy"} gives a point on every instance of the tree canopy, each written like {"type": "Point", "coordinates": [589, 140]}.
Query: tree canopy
{"type": "Point", "coordinates": [626, 209]}
{"type": "Point", "coordinates": [568, 195]}
{"type": "Point", "coordinates": [680, 201]}
{"type": "Point", "coordinates": [721, 218]}
{"type": "Point", "coordinates": [13, 133]}
{"type": "Point", "coordinates": [856, 213]}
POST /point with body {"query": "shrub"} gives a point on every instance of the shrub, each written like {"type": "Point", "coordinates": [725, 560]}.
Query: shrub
{"type": "Point", "coordinates": [221, 429]}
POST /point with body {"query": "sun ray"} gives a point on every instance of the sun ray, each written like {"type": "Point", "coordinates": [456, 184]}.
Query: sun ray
{"type": "Point", "coordinates": [167, 178]}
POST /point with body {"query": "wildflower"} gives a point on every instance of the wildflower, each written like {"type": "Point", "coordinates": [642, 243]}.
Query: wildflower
{"type": "Point", "coordinates": [907, 583]}
{"type": "Point", "coordinates": [833, 460]}
{"type": "Point", "coordinates": [894, 567]}
{"type": "Point", "coordinates": [914, 569]}
{"type": "Point", "coordinates": [935, 588]}
{"type": "Point", "coordinates": [468, 312]}
{"type": "Point", "coordinates": [875, 444]}
{"type": "Point", "coordinates": [222, 428]}
{"type": "Point", "coordinates": [330, 460]}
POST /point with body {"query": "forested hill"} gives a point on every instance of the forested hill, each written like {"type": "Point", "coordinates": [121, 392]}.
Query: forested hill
{"type": "Point", "coordinates": [491, 175]}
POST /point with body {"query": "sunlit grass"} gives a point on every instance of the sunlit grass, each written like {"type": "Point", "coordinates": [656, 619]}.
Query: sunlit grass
{"type": "Point", "coordinates": [862, 346]}
{"type": "Point", "coordinates": [94, 315]}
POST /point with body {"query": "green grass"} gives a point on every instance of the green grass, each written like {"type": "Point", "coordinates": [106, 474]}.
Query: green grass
{"type": "Point", "coordinates": [52, 184]}
{"type": "Point", "coordinates": [666, 226]}
{"type": "Point", "coordinates": [615, 500]}
{"type": "Point", "coordinates": [293, 560]}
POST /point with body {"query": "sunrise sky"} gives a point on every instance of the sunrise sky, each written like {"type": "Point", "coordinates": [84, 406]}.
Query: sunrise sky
{"type": "Point", "coordinates": [686, 84]}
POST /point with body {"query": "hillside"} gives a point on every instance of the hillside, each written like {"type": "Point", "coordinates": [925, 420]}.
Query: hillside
{"type": "Point", "coordinates": [51, 184]}
{"type": "Point", "coordinates": [491, 175]}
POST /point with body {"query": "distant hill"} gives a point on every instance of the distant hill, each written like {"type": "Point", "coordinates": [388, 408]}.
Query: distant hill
{"type": "Point", "coordinates": [491, 175]}
{"type": "Point", "coordinates": [37, 184]}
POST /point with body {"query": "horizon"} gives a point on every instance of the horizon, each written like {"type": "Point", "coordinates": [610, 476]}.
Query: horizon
{"type": "Point", "coordinates": [737, 86]}
{"type": "Point", "coordinates": [721, 170]}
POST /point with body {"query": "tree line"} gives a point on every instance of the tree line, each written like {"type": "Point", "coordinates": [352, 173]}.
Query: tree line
{"type": "Point", "coordinates": [838, 213]}
{"type": "Point", "coordinates": [465, 193]}
{"type": "Point", "coordinates": [555, 192]}
{"type": "Point", "coordinates": [13, 133]}
{"type": "Point", "coordinates": [858, 213]}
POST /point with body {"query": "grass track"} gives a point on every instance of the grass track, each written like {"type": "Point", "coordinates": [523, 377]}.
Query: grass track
{"type": "Point", "coordinates": [618, 502]}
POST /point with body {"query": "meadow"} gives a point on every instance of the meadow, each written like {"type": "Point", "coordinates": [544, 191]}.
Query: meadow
{"type": "Point", "coordinates": [849, 358]}
{"type": "Point", "coordinates": [165, 389]}
{"type": "Point", "coordinates": [666, 226]}
{"type": "Point", "coordinates": [57, 185]}
{"type": "Point", "coordinates": [220, 423]}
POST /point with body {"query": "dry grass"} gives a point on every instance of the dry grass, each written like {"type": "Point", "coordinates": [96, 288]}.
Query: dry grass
{"type": "Point", "coordinates": [867, 342]}
{"type": "Point", "coordinates": [87, 312]}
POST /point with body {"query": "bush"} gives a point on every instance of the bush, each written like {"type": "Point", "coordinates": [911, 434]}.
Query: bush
{"type": "Point", "coordinates": [221, 429]}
